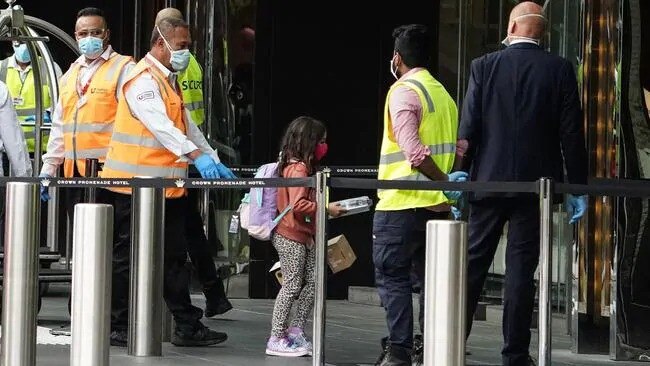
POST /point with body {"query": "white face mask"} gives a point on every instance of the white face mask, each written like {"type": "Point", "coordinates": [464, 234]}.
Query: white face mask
{"type": "Point", "coordinates": [509, 38]}
{"type": "Point", "coordinates": [393, 69]}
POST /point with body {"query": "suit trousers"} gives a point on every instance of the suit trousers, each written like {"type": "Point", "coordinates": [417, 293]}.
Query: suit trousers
{"type": "Point", "coordinates": [176, 277]}
{"type": "Point", "coordinates": [487, 218]}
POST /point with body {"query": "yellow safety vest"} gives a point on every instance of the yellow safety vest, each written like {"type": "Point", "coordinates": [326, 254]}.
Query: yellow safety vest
{"type": "Point", "coordinates": [438, 129]}
{"type": "Point", "coordinates": [191, 83]}
{"type": "Point", "coordinates": [26, 93]}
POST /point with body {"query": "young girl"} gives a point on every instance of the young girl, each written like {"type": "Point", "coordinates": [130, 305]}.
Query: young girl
{"type": "Point", "coordinates": [303, 146]}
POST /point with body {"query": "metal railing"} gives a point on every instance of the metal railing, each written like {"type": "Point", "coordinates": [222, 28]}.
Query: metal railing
{"type": "Point", "coordinates": [443, 341]}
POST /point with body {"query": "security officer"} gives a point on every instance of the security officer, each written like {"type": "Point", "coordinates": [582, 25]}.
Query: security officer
{"type": "Point", "coordinates": [190, 82]}
{"type": "Point", "coordinates": [191, 79]}
{"type": "Point", "coordinates": [420, 123]}
{"type": "Point", "coordinates": [16, 72]}
{"type": "Point", "coordinates": [152, 137]}
{"type": "Point", "coordinates": [85, 112]}
{"type": "Point", "coordinates": [84, 115]}
{"type": "Point", "coordinates": [521, 121]}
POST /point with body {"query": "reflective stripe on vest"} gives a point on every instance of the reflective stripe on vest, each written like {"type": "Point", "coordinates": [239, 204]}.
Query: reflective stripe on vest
{"type": "Point", "coordinates": [133, 149]}
{"type": "Point", "coordinates": [26, 91]}
{"type": "Point", "coordinates": [137, 140]}
{"type": "Point", "coordinates": [437, 130]}
{"type": "Point", "coordinates": [87, 127]}
{"type": "Point", "coordinates": [145, 170]}
{"type": "Point", "coordinates": [191, 84]}
{"type": "Point", "coordinates": [397, 157]}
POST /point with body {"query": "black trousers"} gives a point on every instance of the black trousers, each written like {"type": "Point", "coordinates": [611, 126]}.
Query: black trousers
{"type": "Point", "coordinates": [199, 250]}
{"type": "Point", "coordinates": [487, 218]}
{"type": "Point", "coordinates": [176, 277]}
{"type": "Point", "coordinates": [399, 249]}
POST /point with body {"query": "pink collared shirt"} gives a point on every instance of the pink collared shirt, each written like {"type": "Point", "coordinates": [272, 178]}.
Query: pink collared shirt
{"type": "Point", "coordinates": [405, 112]}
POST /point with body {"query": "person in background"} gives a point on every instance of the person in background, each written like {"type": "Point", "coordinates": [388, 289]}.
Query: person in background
{"type": "Point", "coordinates": [303, 146]}
{"type": "Point", "coordinates": [12, 143]}
{"type": "Point", "coordinates": [16, 72]}
{"type": "Point", "coordinates": [151, 137]}
{"type": "Point", "coordinates": [419, 140]}
{"type": "Point", "coordinates": [521, 121]}
{"type": "Point", "coordinates": [191, 81]}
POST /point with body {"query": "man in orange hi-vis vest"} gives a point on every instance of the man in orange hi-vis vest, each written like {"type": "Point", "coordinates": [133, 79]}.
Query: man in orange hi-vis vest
{"type": "Point", "coordinates": [83, 117]}
{"type": "Point", "coordinates": [152, 137]}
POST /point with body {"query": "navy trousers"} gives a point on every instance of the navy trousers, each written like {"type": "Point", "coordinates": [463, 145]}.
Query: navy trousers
{"type": "Point", "coordinates": [398, 249]}
{"type": "Point", "coordinates": [487, 218]}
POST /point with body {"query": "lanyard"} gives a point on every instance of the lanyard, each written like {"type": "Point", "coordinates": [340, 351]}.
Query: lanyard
{"type": "Point", "coordinates": [22, 80]}
{"type": "Point", "coordinates": [82, 91]}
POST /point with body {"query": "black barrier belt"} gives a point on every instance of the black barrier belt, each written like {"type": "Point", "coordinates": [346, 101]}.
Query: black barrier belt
{"type": "Point", "coordinates": [361, 183]}
{"type": "Point", "coordinates": [596, 186]}
{"type": "Point", "coordinates": [166, 183]}
{"type": "Point", "coordinates": [353, 171]}
{"type": "Point", "coordinates": [607, 187]}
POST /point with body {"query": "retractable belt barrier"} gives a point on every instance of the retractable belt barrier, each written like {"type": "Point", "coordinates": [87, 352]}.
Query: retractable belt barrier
{"type": "Point", "coordinates": [596, 187]}
{"type": "Point", "coordinates": [334, 177]}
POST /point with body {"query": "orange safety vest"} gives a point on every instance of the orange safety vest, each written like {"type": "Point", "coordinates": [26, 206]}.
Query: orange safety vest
{"type": "Point", "coordinates": [88, 117]}
{"type": "Point", "coordinates": [133, 149]}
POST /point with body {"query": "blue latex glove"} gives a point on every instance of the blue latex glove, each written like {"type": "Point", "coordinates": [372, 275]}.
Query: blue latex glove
{"type": "Point", "coordinates": [45, 196]}
{"type": "Point", "coordinates": [46, 118]}
{"type": "Point", "coordinates": [455, 177]}
{"type": "Point", "coordinates": [224, 172]}
{"type": "Point", "coordinates": [207, 167]}
{"type": "Point", "coordinates": [456, 213]}
{"type": "Point", "coordinates": [576, 206]}
{"type": "Point", "coordinates": [457, 208]}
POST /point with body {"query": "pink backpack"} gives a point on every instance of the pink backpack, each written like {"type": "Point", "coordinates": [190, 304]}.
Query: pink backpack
{"type": "Point", "coordinates": [258, 210]}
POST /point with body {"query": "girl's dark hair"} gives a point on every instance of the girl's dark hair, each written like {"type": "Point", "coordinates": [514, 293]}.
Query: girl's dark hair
{"type": "Point", "coordinates": [299, 142]}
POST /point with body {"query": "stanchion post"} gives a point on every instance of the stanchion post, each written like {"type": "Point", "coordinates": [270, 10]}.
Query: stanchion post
{"type": "Point", "coordinates": [545, 269]}
{"type": "Point", "coordinates": [320, 275]}
{"type": "Point", "coordinates": [92, 170]}
{"type": "Point", "coordinates": [20, 282]}
{"type": "Point", "coordinates": [445, 282]}
{"type": "Point", "coordinates": [53, 220]}
{"type": "Point", "coordinates": [91, 284]}
{"type": "Point", "coordinates": [146, 286]}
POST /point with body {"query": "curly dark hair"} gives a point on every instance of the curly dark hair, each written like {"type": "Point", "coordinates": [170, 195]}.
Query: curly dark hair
{"type": "Point", "coordinates": [299, 142]}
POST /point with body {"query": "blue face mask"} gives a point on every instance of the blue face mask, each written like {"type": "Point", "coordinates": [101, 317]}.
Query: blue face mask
{"type": "Point", "coordinates": [91, 47]}
{"type": "Point", "coordinates": [22, 54]}
{"type": "Point", "coordinates": [179, 59]}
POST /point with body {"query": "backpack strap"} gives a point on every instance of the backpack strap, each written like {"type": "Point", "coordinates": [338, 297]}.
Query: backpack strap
{"type": "Point", "coordinates": [282, 214]}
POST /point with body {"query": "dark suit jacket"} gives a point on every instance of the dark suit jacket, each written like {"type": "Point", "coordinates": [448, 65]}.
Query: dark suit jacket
{"type": "Point", "coordinates": [522, 118]}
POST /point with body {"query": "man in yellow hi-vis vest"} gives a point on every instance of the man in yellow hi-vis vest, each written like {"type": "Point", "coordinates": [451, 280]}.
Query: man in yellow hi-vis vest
{"type": "Point", "coordinates": [190, 82]}
{"type": "Point", "coordinates": [419, 143]}
{"type": "Point", "coordinates": [16, 72]}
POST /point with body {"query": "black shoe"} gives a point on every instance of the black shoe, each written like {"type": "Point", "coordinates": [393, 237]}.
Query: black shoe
{"type": "Point", "coordinates": [395, 356]}
{"type": "Point", "coordinates": [119, 338]}
{"type": "Point", "coordinates": [202, 336]}
{"type": "Point", "coordinates": [213, 308]}
{"type": "Point", "coordinates": [384, 350]}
